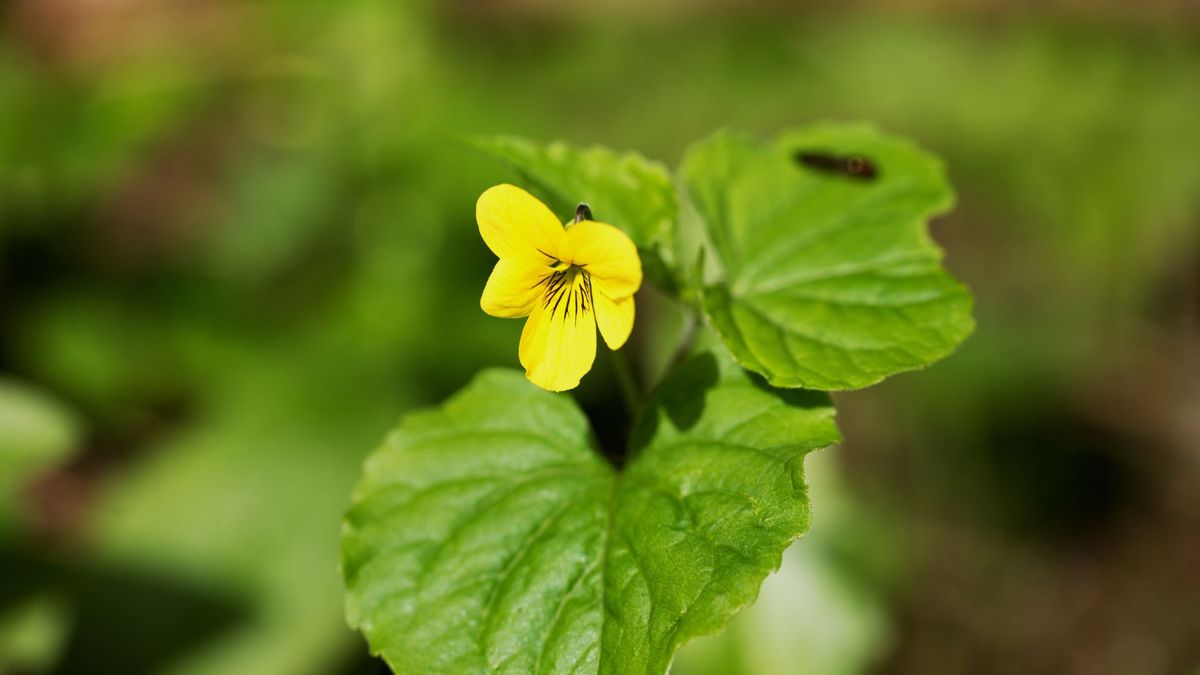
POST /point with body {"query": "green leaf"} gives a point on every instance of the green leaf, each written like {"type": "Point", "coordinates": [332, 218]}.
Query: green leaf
{"type": "Point", "coordinates": [489, 535]}
{"type": "Point", "coordinates": [624, 189]}
{"type": "Point", "coordinates": [825, 280]}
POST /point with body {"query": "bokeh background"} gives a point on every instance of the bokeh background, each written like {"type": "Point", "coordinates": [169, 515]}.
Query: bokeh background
{"type": "Point", "coordinates": [237, 242]}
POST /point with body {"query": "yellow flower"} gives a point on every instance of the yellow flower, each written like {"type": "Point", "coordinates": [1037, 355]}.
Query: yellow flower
{"type": "Point", "coordinates": [568, 280]}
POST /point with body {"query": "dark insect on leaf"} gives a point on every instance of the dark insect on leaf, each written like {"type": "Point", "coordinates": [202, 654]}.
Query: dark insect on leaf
{"type": "Point", "coordinates": [850, 166]}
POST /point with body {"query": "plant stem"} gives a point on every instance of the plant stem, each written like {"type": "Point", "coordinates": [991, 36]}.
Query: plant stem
{"type": "Point", "coordinates": [686, 341]}
{"type": "Point", "coordinates": [631, 393]}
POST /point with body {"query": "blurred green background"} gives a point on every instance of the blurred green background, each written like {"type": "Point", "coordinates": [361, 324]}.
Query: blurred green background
{"type": "Point", "coordinates": [237, 242]}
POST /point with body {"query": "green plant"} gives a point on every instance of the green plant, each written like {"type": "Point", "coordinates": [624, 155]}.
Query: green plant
{"type": "Point", "coordinates": [494, 534]}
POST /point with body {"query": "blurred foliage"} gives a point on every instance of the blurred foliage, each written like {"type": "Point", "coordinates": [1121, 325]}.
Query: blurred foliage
{"type": "Point", "coordinates": [32, 634]}
{"type": "Point", "coordinates": [36, 432]}
{"type": "Point", "coordinates": [238, 242]}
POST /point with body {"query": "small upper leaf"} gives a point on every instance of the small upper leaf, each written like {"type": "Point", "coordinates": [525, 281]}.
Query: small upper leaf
{"type": "Point", "coordinates": [624, 189]}
{"type": "Point", "coordinates": [827, 277]}
{"type": "Point", "coordinates": [489, 536]}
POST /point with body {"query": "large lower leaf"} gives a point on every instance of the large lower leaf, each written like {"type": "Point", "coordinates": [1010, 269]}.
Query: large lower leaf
{"type": "Point", "coordinates": [624, 189]}
{"type": "Point", "coordinates": [827, 276]}
{"type": "Point", "coordinates": [489, 536]}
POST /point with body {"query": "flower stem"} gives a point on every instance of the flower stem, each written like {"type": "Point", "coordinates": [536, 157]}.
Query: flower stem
{"type": "Point", "coordinates": [631, 392]}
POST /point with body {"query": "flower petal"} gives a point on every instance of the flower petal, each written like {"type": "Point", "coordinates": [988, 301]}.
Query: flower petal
{"type": "Point", "coordinates": [558, 344]}
{"type": "Point", "coordinates": [607, 254]}
{"type": "Point", "coordinates": [515, 224]}
{"type": "Point", "coordinates": [513, 287]}
{"type": "Point", "coordinates": [614, 318]}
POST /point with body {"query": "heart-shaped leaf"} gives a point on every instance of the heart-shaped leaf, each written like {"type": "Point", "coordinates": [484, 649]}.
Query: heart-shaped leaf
{"type": "Point", "coordinates": [826, 277]}
{"type": "Point", "coordinates": [489, 536]}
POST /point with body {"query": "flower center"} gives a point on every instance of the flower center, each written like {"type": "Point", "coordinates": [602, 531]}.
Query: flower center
{"type": "Point", "coordinates": [568, 290]}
